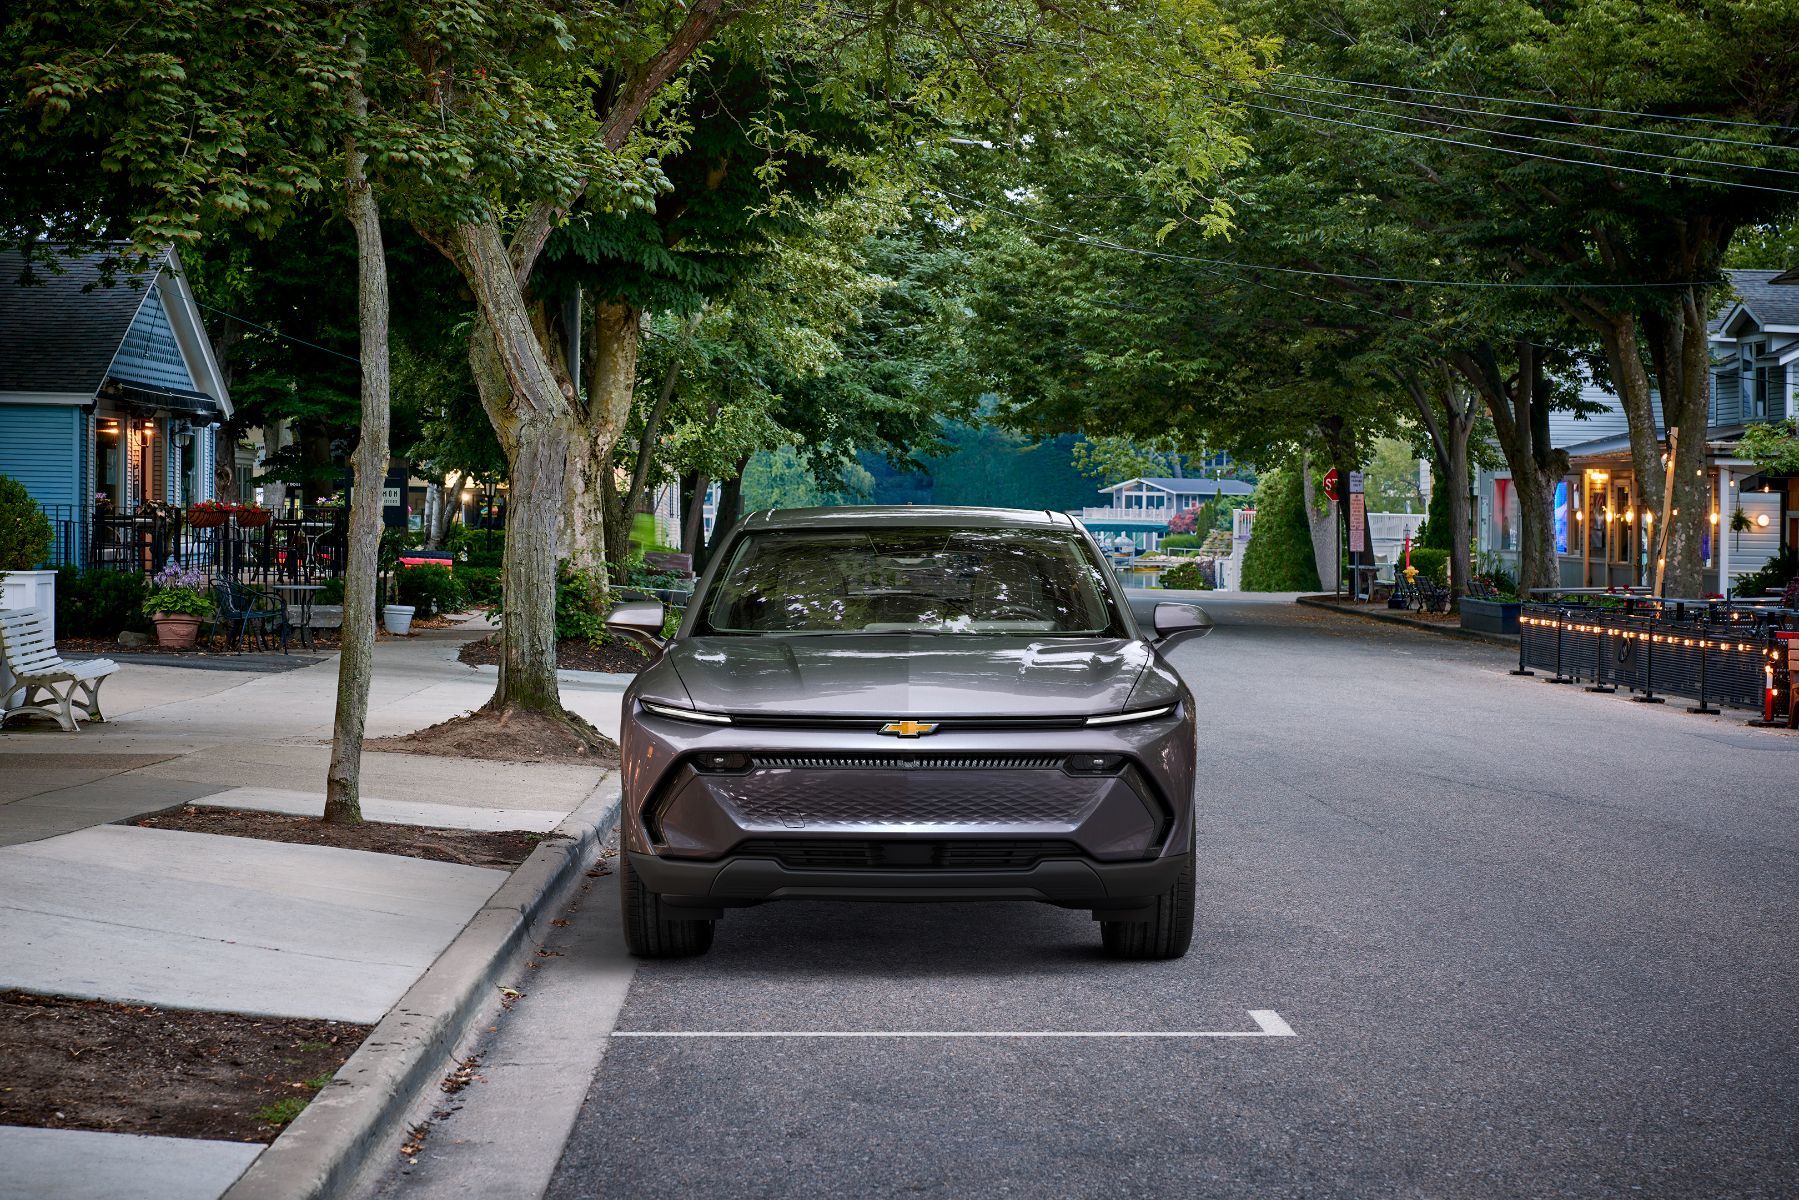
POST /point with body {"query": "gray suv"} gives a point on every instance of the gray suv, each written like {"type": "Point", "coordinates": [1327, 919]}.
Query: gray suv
{"type": "Point", "coordinates": [909, 704]}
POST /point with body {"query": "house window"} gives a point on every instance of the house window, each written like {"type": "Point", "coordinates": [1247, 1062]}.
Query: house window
{"type": "Point", "coordinates": [1770, 381]}
{"type": "Point", "coordinates": [190, 466]}
{"type": "Point", "coordinates": [108, 477]}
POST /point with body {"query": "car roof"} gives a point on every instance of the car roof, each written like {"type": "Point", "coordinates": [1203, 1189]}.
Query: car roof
{"type": "Point", "coordinates": [908, 515]}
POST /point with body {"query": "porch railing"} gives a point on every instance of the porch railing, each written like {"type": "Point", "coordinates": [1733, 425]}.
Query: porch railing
{"type": "Point", "coordinates": [1710, 651]}
{"type": "Point", "coordinates": [296, 544]}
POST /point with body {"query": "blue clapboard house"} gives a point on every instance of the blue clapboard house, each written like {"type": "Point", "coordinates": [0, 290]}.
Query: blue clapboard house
{"type": "Point", "coordinates": [110, 395]}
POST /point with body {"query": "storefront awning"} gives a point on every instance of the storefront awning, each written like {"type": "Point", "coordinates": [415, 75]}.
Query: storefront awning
{"type": "Point", "coordinates": [195, 407]}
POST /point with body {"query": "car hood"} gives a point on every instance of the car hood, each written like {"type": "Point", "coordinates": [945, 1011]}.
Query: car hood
{"type": "Point", "coordinates": [900, 675]}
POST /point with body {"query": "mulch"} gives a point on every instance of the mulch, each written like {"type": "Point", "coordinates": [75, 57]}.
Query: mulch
{"type": "Point", "coordinates": [572, 654]}
{"type": "Point", "coordinates": [471, 848]}
{"type": "Point", "coordinates": [132, 1068]}
{"type": "Point", "coordinates": [515, 735]}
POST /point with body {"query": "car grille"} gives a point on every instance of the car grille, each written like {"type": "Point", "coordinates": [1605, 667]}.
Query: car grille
{"type": "Point", "coordinates": [901, 796]}
{"type": "Point", "coordinates": [907, 762]}
{"type": "Point", "coordinates": [969, 854]}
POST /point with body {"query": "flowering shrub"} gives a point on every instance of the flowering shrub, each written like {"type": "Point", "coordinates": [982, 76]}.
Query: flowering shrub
{"type": "Point", "coordinates": [178, 589]}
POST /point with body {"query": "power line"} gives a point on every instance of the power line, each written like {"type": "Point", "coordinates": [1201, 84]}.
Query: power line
{"type": "Point", "coordinates": [1230, 264]}
{"type": "Point", "coordinates": [1565, 107]}
{"type": "Point", "coordinates": [1230, 273]}
{"type": "Point", "coordinates": [1485, 112]}
{"type": "Point", "coordinates": [1596, 147]}
{"type": "Point", "coordinates": [1581, 162]}
{"type": "Point", "coordinates": [276, 333]}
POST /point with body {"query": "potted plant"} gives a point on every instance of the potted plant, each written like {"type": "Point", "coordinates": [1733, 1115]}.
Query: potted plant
{"type": "Point", "coordinates": [252, 516]}
{"type": "Point", "coordinates": [176, 604]}
{"type": "Point", "coordinates": [1493, 605]}
{"type": "Point", "coordinates": [396, 616]}
{"type": "Point", "coordinates": [209, 514]}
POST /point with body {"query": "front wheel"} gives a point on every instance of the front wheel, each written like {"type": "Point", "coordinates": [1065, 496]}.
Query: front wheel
{"type": "Point", "coordinates": [1165, 934]}
{"type": "Point", "coordinates": [650, 930]}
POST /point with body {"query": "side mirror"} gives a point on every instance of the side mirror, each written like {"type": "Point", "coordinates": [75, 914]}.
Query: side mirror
{"type": "Point", "coordinates": [640, 619]}
{"type": "Point", "coordinates": [1180, 622]}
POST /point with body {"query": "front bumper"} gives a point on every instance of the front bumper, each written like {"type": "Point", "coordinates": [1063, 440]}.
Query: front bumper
{"type": "Point", "coordinates": [1071, 883]}
{"type": "Point", "coordinates": [968, 814]}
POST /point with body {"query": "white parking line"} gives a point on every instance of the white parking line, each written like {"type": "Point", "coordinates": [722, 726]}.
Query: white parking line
{"type": "Point", "coordinates": [1268, 1024]}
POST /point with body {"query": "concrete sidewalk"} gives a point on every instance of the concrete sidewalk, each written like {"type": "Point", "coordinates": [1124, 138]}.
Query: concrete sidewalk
{"type": "Point", "coordinates": [93, 908]}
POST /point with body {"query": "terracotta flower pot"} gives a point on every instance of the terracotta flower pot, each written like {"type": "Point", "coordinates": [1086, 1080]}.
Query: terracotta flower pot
{"type": "Point", "coordinates": [207, 520]}
{"type": "Point", "coordinates": [253, 520]}
{"type": "Point", "coordinates": [175, 631]}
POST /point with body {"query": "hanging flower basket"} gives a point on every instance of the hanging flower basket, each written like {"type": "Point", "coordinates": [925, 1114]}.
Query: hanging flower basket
{"type": "Point", "coordinates": [209, 514]}
{"type": "Point", "coordinates": [252, 517]}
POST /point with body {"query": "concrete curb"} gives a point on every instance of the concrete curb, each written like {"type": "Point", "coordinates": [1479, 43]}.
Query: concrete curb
{"type": "Point", "coordinates": [361, 1110]}
{"type": "Point", "coordinates": [1455, 631]}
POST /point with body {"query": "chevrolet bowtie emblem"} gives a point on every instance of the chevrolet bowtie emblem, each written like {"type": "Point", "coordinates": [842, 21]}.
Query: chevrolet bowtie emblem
{"type": "Point", "coordinates": [909, 728]}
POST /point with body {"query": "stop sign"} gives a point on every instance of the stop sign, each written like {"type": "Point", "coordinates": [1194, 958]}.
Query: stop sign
{"type": "Point", "coordinates": [1330, 484]}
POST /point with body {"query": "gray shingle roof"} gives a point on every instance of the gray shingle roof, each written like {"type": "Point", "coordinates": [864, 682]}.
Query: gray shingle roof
{"type": "Point", "coordinates": [1200, 487]}
{"type": "Point", "coordinates": [1772, 303]}
{"type": "Point", "coordinates": [60, 333]}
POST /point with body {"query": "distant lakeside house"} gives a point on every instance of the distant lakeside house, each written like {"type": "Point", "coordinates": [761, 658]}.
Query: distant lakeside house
{"type": "Point", "coordinates": [1141, 508]}
{"type": "Point", "coordinates": [110, 392]}
{"type": "Point", "coordinates": [1603, 531]}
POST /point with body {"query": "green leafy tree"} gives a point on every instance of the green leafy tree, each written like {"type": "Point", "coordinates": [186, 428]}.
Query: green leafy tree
{"type": "Point", "coordinates": [1279, 555]}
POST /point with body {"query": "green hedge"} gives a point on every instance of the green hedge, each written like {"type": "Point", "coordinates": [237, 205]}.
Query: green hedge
{"type": "Point", "coordinates": [1432, 564]}
{"type": "Point", "coordinates": [99, 603]}
{"type": "Point", "coordinates": [1188, 575]}
{"type": "Point", "coordinates": [25, 532]}
{"type": "Point", "coordinates": [1175, 541]}
{"type": "Point", "coordinates": [431, 590]}
{"type": "Point", "coordinates": [1279, 555]}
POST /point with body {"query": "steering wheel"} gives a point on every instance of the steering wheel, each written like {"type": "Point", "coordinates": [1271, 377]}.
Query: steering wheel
{"type": "Point", "coordinates": [1016, 612]}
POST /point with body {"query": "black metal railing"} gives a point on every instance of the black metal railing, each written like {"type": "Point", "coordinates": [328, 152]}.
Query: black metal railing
{"type": "Point", "coordinates": [295, 544]}
{"type": "Point", "coordinates": [1710, 651]}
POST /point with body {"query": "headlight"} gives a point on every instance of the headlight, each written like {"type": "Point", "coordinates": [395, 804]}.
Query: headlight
{"type": "Point", "coordinates": [685, 714]}
{"type": "Point", "coordinates": [1127, 718]}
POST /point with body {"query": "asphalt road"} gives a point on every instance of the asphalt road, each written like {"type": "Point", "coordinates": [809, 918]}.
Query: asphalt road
{"type": "Point", "coordinates": [1531, 942]}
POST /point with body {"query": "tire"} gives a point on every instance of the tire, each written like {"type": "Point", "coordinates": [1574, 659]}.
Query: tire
{"type": "Point", "coordinates": [649, 931]}
{"type": "Point", "coordinates": [1166, 934]}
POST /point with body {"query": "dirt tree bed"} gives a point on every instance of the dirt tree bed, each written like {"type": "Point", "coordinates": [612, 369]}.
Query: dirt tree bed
{"type": "Point", "coordinates": [572, 654]}
{"type": "Point", "coordinates": [516, 735]}
{"type": "Point", "coordinates": [473, 848]}
{"type": "Point", "coordinates": [131, 1068]}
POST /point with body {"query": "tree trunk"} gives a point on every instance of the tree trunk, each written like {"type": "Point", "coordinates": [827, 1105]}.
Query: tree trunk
{"type": "Point", "coordinates": [617, 337]}
{"type": "Point", "coordinates": [355, 663]}
{"type": "Point", "coordinates": [1519, 406]}
{"type": "Point", "coordinates": [619, 518]}
{"type": "Point", "coordinates": [1461, 533]}
{"type": "Point", "coordinates": [442, 499]}
{"type": "Point", "coordinates": [1321, 519]}
{"type": "Point", "coordinates": [531, 414]}
{"type": "Point", "coordinates": [1683, 367]}
{"type": "Point", "coordinates": [622, 509]}
{"type": "Point", "coordinates": [693, 522]}
{"type": "Point", "coordinates": [1448, 412]}
{"type": "Point", "coordinates": [529, 563]}
{"type": "Point", "coordinates": [730, 508]}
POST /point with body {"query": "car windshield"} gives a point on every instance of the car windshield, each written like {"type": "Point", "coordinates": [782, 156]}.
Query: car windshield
{"type": "Point", "coordinates": [920, 580]}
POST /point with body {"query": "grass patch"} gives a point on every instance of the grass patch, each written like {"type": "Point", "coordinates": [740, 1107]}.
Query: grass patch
{"type": "Point", "coordinates": [283, 1111]}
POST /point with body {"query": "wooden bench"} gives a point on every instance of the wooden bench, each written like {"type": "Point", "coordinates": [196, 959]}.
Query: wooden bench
{"type": "Point", "coordinates": [34, 680]}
